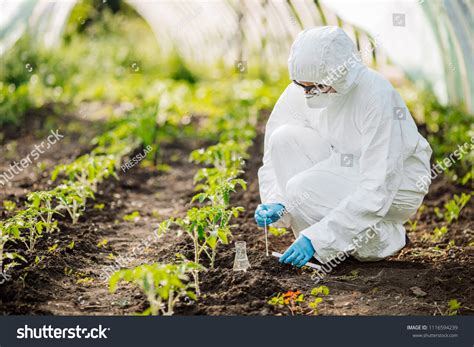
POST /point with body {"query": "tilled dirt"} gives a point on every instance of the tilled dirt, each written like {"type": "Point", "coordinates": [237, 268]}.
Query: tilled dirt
{"type": "Point", "coordinates": [69, 281]}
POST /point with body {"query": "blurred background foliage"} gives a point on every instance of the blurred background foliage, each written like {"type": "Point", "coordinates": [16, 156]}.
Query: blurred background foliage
{"type": "Point", "coordinates": [109, 54]}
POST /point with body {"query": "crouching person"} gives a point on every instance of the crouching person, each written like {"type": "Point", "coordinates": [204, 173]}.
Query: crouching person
{"type": "Point", "coordinates": [343, 157]}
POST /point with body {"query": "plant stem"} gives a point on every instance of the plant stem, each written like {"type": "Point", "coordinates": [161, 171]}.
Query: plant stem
{"type": "Point", "coordinates": [196, 260]}
{"type": "Point", "coordinates": [1, 253]}
{"type": "Point", "coordinates": [170, 303]}
{"type": "Point", "coordinates": [213, 256]}
{"type": "Point", "coordinates": [74, 216]}
{"type": "Point", "coordinates": [32, 240]}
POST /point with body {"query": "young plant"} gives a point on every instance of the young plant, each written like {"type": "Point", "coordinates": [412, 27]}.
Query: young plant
{"type": "Point", "coordinates": [72, 198]}
{"type": "Point", "coordinates": [132, 217]}
{"type": "Point", "coordinates": [208, 226]}
{"type": "Point", "coordinates": [453, 207]}
{"type": "Point", "coordinates": [223, 156]}
{"type": "Point", "coordinates": [413, 225]}
{"type": "Point", "coordinates": [290, 299]}
{"type": "Point", "coordinates": [453, 307]}
{"type": "Point", "coordinates": [30, 221]}
{"type": "Point", "coordinates": [88, 170]}
{"type": "Point", "coordinates": [43, 202]}
{"type": "Point", "coordinates": [317, 294]}
{"type": "Point", "coordinates": [296, 302]}
{"type": "Point", "coordinates": [278, 232]}
{"type": "Point", "coordinates": [9, 206]}
{"type": "Point", "coordinates": [9, 232]}
{"type": "Point", "coordinates": [163, 284]}
{"type": "Point", "coordinates": [216, 185]}
{"type": "Point", "coordinates": [438, 233]}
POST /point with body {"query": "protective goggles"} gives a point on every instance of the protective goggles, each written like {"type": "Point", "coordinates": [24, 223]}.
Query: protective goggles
{"type": "Point", "coordinates": [315, 89]}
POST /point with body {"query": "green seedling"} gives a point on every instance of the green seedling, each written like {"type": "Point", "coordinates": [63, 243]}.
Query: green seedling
{"type": "Point", "coordinates": [9, 232]}
{"type": "Point", "coordinates": [296, 302]}
{"type": "Point", "coordinates": [216, 185]}
{"type": "Point", "coordinates": [413, 225]}
{"type": "Point", "coordinates": [438, 233]}
{"type": "Point", "coordinates": [30, 222]}
{"type": "Point", "coordinates": [438, 213]}
{"type": "Point", "coordinates": [163, 227]}
{"type": "Point", "coordinates": [207, 227]}
{"type": "Point", "coordinates": [102, 243]}
{"type": "Point", "coordinates": [43, 202]}
{"type": "Point", "coordinates": [317, 294]}
{"type": "Point", "coordinates": [9, 206]}
{"type": "Point", "coordinates": [72, 198]}
{"type": "Point", "coordinates": [290, 299]}
{"type": "Point", "coordinates": [68, 271]}
{"type": "Point", "coordinates": [132, 217]}
{"type": "Point", "coordinates": [223, 156]}
{"type": "Point", "coordinates": [163, 284]}
{"type": "Point", "coordinates": [53, 248]}
{"type": "Point", "coordinates": [88, 170]}
{"type": "Point", "coordinates": [453, 307]}
{"type": "Point", "coordinates": [278, 232]}
{"type": "Point", "coordinates": [453, 207]}
{"type": "Point", "coordinates": [99, 206]}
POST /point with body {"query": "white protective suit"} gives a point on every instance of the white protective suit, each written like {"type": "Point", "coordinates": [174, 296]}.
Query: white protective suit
{"type": "Point", "coordinates": [350, 167]}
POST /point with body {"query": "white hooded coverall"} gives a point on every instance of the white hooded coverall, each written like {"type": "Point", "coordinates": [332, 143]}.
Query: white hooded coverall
{"type": "Point", "coordinates": [349, 168]}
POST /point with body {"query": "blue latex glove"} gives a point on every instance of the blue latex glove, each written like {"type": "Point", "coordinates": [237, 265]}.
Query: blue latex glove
{"type": "Point", "coordinates": [268, 213]}
{"type": "Point", "coordinates": [299, 253]}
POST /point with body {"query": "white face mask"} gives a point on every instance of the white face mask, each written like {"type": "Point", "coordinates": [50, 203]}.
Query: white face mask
{"type": "Point", "coordinates": [320, 101]}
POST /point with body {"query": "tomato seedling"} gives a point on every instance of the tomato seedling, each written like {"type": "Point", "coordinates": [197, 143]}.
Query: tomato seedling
{"type": "Point", "coordinates": [163, 284]}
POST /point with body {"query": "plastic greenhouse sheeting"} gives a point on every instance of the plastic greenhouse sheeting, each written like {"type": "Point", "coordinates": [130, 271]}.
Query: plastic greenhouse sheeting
{"type": "Point", "coordinates": [430, 40]}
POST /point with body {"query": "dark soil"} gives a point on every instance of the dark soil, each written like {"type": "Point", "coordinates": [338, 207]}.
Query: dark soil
{"type": "Point", "coordinates": [70, 281]}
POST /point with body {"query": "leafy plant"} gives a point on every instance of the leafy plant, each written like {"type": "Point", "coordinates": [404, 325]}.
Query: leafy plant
{"type": "Point", "coordinates": [297, 304]}
{"type": "Point", "coordinates": [42, 201]}
{"type": "Point", "coordinates": [454, 206]}
{"type": "Point", "coordinates": [316, 293]}
{"type": "Point", "coordinates": [278, 232]}
{"type": "Point", "coordinates": [163, 284]}
{"type": "Point", "coordinates": [438, 233]}
{"type": "Point", "coordinates": [413, 225]}
{"type": "Point", "coordinates": [99, 206]}
{"type": "Point", "coordinates": [290, 299]}
{"type": "Point", "coordinates": [72, 198]}
{"type": "Point", "coordinates": [88, 170]}
{"type": "Point", "coordinates": [9, 206]}
{"type": "Point", "coordinates": [207, 227]}
{"type": "Point", "coordinates": [132, 217]}
{"type": "Point", "coordinates": [453, 307]}
{"type": "Point", "coordinates": [9, 232]}
{"type": "Point", "coordinates": [29, 221]}
{"type": "Point", "coordinates": [217, 185]}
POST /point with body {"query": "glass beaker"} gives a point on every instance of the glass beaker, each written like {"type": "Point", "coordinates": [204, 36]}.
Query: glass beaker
{"type": "Point", "coordinates": [241, 262]}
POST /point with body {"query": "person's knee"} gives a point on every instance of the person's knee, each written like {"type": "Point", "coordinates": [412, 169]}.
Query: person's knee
{"type": "Point", "coordinates": [284, 135]}
{"type": "Point", "coordinates": [297, 189]}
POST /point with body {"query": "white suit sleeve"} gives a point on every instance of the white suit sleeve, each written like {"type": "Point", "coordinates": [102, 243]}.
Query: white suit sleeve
{"type": "Point", "coordinates": [381, 167]}
{"type": "Point", "coordinates": [281, 115]}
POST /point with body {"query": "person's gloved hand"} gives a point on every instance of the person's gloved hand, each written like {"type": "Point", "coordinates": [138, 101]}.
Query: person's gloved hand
{"type": "Point", "coordinates": [299, 253]}
{"type": "Point", "coordinates": [268, 213]}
